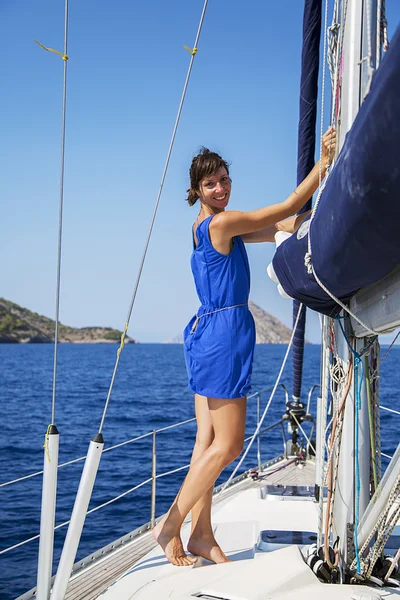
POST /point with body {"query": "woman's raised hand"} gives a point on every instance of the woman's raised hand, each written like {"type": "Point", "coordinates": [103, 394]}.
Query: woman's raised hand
{"type": "Point", "coordinates": [328, 146]}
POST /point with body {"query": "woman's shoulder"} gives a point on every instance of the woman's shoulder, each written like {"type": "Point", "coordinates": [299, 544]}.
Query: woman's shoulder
{"type": "Point", "coordinates": [202, 226]}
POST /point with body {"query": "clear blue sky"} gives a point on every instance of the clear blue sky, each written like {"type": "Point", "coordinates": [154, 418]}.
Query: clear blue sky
{"type": "Point", "coordinates": [125, 77]}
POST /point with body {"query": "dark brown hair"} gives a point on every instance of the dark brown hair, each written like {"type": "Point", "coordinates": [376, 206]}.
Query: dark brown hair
{"type": "Point", "coordinates": [205, 164]}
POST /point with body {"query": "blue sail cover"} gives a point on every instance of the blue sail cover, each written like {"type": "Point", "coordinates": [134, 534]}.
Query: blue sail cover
{"type": "Point", "coordinates": [355, 238]}
{"type": "Point", "coordinates": [306, 150]}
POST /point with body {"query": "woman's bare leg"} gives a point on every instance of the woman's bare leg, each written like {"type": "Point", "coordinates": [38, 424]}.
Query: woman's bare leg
{"type": "Point", "coordinates": [202, 541]}
{"type": "Point", "coordinates": [228, 419]}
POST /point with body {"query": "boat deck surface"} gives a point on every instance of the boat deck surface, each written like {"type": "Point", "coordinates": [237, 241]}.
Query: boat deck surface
{"type": "Point", "coordinates": [92, 575]}
{"type": "Point", "coordinates": [137, 567]}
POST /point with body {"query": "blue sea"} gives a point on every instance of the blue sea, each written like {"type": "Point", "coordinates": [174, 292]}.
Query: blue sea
{"type": "Point", "coordinates": [150, 392]}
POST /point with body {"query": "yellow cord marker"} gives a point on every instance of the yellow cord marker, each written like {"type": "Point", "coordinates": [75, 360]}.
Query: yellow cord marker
{"type": "Point", "coordinates": [63, 56]}
{"type": "Point", "coordinates": [192, 52]}
{"type": "Point", "coordinates": [46, 441]}
{"type": "Point", "coordinates": [123, 334]}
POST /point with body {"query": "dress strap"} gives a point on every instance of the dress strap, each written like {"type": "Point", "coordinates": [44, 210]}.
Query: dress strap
{"type": "Point", "coordinates": [199, 231]}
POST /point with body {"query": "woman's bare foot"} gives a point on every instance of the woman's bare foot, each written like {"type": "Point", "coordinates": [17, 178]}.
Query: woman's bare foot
{"type": "Point", "coordinates": [172, 545]}
{"type": "Point", "coordinates": [207, 547]}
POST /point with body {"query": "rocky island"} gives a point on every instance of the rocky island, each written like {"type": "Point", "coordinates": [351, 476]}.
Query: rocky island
{"type": "Point", "coordinates": [269, 330]}
{"type": "Point", "coordinates": [20, 325]}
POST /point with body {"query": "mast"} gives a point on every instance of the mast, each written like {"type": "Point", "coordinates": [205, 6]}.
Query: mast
{"type": "Point", "coordinates": [358, 23]}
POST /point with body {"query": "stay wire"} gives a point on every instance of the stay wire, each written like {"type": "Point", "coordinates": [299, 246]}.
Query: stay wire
{"type": "Point", "coordinates": [193, 54]}
{"type": "Point", "coordinates": [60, 214]}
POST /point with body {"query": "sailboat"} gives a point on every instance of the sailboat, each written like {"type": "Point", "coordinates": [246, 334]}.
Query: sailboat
{"type": "Point", "coordinates": [320, 518]}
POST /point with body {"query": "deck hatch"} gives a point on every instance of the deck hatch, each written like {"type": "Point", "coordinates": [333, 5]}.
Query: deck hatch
{"type": "Point", "coordinates": [273, 539]}
{"type": "Point", "coordinates": [301, 492]}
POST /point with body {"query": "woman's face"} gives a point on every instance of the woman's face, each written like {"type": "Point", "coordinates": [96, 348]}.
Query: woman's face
{"type": "Point", "coordinates": [216, 190]}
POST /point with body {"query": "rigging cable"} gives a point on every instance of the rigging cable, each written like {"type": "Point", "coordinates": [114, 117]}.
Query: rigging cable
{"type": "Point", "coordinates": [193, 53]}
{"type": "Point", "coordinates": [64, 56]}
{"type": "Point", "coordinates": [390, 347]}
{"type": "Point", "coordinates": [51, 441]}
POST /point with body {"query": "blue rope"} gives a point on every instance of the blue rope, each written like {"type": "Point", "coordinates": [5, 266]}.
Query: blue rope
{"type": "Point", "coordinates": [358, 385]}
{"type": "Point", "coordinates": [355, 353]}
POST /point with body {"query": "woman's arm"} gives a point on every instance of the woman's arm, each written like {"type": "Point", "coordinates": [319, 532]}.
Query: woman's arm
{"type": "Point", "coordinates": [230, 223]}
{"type": "Point", "coordinates": [268, 233]}
{"type": "Point", "coordinates": [227, 224]}
{"type": "Point", "coordinates": [292, 225]}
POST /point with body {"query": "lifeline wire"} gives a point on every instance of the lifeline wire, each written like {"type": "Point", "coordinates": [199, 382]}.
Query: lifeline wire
{"type": "Point", "coordinates": [268, 403]}
{"type": "Point", "coordinates": [193, 54]}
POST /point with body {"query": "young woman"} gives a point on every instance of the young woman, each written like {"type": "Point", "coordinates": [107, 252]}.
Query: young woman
{"type": "Point", "coordinates": [219, 340]}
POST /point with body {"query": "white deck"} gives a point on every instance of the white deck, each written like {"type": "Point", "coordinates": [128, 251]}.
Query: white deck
{"type": "Point", "coordinates": [253, 574]}
{"type": "Point", "coordinates": [137, 568]}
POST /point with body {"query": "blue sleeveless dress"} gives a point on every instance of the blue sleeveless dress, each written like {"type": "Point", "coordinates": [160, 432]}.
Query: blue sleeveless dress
{"type": "Point", "coordinates": [219, 344]}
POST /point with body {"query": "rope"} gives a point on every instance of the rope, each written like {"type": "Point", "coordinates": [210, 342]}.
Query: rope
{"type": "Point", "coordinates": [336, 439]}
{"type": "Point", "coordinates": [358, 385]}
{"type": "Point", "coordinates": [383, 528]}
{"type": "Point", "coordinates": [384, 26]}
{"type": "Point", "coordinates": [333, 38]}
{"type": "Point", "coordinates": [217, 310]}
{"type": "Point", "coordinates": [268, 403]}
{"type": "Point", "coordinates": [193, 54]}
{"type": "Point", "coordinates": [64, 56]}
{"type": "Point", "coordinates": [394, 565]}
{"type": "Point", "coordinates": [381, 30]}
{"type": "Point", "coordinates": [46, 442]}
{"type": "Point", "coordinates": [385, 532]}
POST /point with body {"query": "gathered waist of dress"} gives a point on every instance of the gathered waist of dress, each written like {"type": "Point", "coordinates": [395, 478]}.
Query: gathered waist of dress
{"type": "Point", "coordinates": [210, 311]}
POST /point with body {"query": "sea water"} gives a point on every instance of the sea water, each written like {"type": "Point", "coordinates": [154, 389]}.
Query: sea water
{"type": "Point", "coordinates": [150, 392]}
